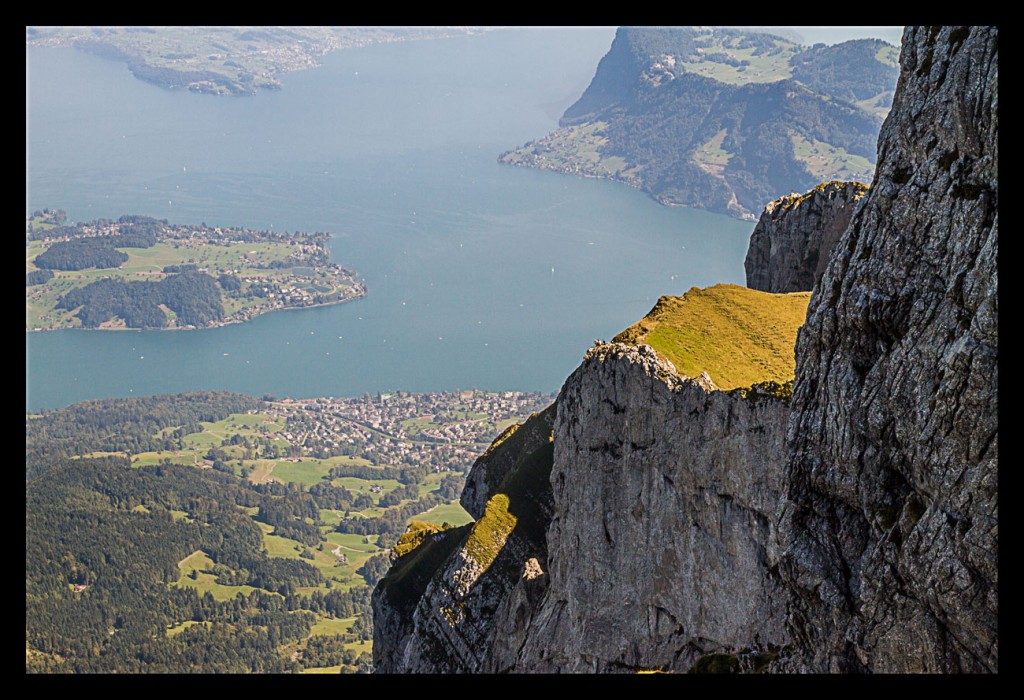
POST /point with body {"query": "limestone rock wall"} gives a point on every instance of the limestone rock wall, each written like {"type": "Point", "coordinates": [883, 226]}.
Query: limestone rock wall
{"type": "Point", "coordinates": [792, 241]}
{"type": "Point", "coordinates": [663, 536]}
{"type": "Point", "coordinates": [891, 524]}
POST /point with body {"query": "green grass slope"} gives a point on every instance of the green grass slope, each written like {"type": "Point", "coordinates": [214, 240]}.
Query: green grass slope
{"type": "Point", "coordinates": [737, 335]}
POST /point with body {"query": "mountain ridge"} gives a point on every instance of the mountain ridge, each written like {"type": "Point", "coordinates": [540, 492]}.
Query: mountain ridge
{"type": "Point", "coordinates": [848, 528]}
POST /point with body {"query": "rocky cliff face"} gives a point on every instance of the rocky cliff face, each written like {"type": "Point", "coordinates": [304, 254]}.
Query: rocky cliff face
{"type": "Point", "coordinates": [663, 534]}
{"type": "Point", "coordinates": [649, 545]}
{"type": "Point", "coordinates": [891, 525]}
{"type": "Point", "coordinates": [794, 237]}
{"type": "Point", "coordinates": [853, 527]}
{"type": "Point", "coordinates": [485, 572]}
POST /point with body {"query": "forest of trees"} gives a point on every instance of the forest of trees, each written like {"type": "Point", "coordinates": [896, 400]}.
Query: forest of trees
{"type": "Point", "coordinates": [80, 254]}
{"type": "Point", "coordinates": [194, 296]}
{"type": "Point", "coordinates": [102, 553]}
{"type": "Point", "coordinates": [849, 70]}
{"type": "Point", "coordinates": [106, 541]}
{"type": "Point", "coordinates": [38, 277]}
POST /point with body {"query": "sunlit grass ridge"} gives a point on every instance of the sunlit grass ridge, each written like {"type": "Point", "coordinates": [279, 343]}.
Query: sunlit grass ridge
{"type": "Point", "coordinates": [737, 335]}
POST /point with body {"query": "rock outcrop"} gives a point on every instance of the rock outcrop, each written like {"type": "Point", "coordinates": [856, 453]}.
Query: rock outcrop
{"type": "Point", "coordinates": [891, 525]}
{"type": "Point", "coordinates": [794, 237]}
{"type": "Point", "coordinates": [663, 534]}
{"type": "Point", "coordinates": [487, 571]}
{"type": "Point", "coordinates": [672, 483]}
{"type": "Point", "coordinates": [848, 527]}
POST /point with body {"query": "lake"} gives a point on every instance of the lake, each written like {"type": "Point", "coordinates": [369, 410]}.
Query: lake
{"type": "Point", "coordinates": [479, 275]}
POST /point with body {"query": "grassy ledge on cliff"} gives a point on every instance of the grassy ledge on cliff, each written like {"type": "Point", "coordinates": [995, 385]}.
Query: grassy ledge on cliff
{"type": "Point", "coordinates": [739, 336]}
{"type": "Point", "coordinates": [521, 501]}
{"type": "Point", "coordinates": [419, 553]}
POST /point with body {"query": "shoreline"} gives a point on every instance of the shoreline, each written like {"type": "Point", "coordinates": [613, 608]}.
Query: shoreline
{"type": "Point", "coordinates": [203, 328]}
{"type": "Point", "coordinates": [611, 177]}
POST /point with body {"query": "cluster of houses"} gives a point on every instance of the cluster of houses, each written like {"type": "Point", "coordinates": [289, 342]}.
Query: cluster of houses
{"type": "Point", "coordinates": [443, 430]}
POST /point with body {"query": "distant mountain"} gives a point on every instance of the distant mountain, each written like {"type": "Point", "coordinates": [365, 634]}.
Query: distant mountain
{"type": "Point", "coordinates": [723, 119]}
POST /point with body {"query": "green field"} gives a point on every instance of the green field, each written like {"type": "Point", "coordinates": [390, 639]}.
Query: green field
{"type": "Point", "coordinates": [878, 104]}
{"type": "Point", "coordinates": [767, 68]}
{"type": "Point", "coordinates": [308, 472]}
{"type": "Point", "coordinates": [186, 457]}
{"type": "Point", "coordinates": [354, 483]}
{"type": "Point", "coordinates": [329, 517]}
{"type": "Point", "coordinates": [178, 629]}
{"type": "Point", "coordinates": [739, 336]}
{"type": "Point", "coordinates": [344, 574]}
{"type": "Point", "coordinates": [711, 156]}
{"type": "Point", "coordinates": [352, 541]}
{"type": "Point", "coordinates": [431, 482]}
{"type": "Point", "coordinates": [213, 435]}
{"type": "Point", "coordinates": [451, 513]}
{"type": "Point", "coordinates": [242, 424]}
{"type": "Point", "coordinates": [889, 55]}
{"type": "Point", "coordinates": [414, 426]}
{"type": "Point", "coordinates": [324, 669]}
{"type": "Point", "coordinates": [199, 561]}
{"type": "Point", "coordinates": [262, 470]}
{"type": "Point", "coordinates": [361, 646]}
{"type": "Point", "coordinates": [827, 162]}
{"type": "Point", "coordinates": [332, 626]}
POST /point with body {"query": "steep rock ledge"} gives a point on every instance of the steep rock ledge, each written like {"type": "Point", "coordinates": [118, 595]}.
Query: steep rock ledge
{"type": "Point", "coordinates": [508, 450]}
{"type": "Point", "coordinates": [663, 537]}
{"type": "Point", "coordinates": [495, 565]}
{"type": "Point", "coordinates": [892, 519]}
{"type": "Point", "coordinates": [656, 495]}
{"type": "Point", "coordinates": [794, 237]}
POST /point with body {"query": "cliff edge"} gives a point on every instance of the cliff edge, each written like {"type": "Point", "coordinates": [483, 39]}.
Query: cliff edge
{"type": "Point", "coordinates": [631, 525]}
{"type": "Point", "coordinates": [793, 240]}
{"type": "Point", "coordinates": [847, 525]}
{"type": "Point", "coordinates": [891, 522]}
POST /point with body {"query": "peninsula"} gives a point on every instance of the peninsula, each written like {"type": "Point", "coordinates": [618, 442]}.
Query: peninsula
{"type": "Point", "coordinates": [224, 60]}
{"type": "Point", "coordinates": [144, 273]}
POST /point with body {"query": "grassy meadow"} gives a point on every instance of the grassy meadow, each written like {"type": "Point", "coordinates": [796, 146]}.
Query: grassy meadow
{"type": "Point", "coordinates": [739, 336]}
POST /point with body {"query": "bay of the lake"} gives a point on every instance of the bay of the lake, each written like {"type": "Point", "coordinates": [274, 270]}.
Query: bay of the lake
{"type": "Point", "coordinates": [479, 275]}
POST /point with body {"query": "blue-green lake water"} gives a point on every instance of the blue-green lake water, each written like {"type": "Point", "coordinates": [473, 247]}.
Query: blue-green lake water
{"type": "Point", "coordinates": [479, 275]}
